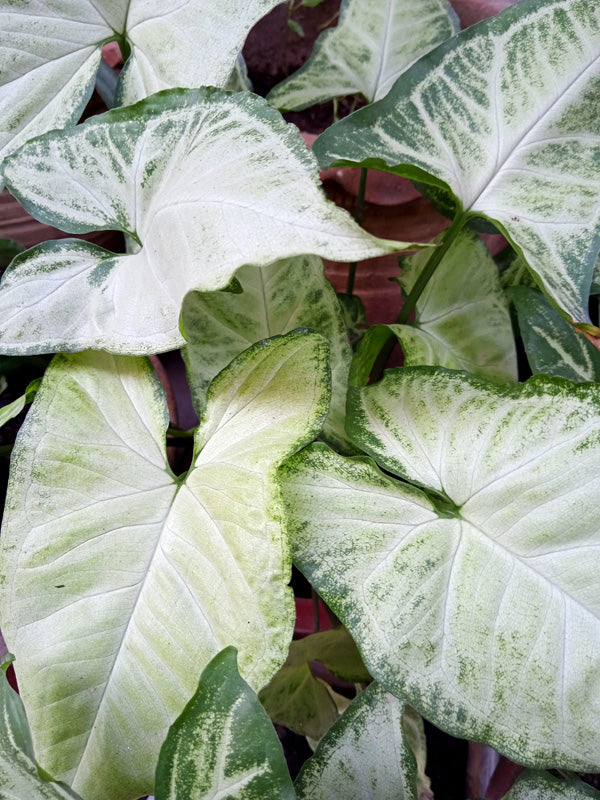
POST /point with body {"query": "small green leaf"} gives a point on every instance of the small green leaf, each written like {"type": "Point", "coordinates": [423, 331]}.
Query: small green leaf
{"type": "Point", "coordinates": [373, 43]}
{"type": "Point", "coordinates": [298, 699]}
{"type": "Point", "coordinates": [364, 756]}
{"type": "Point", "coordinates": [223, 744]}
{"type": "Point", "coordinates": [295, 26]}
{"type": "Point", "coordinates": [552, 345]}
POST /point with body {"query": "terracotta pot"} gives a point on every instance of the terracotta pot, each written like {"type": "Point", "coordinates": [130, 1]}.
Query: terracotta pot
{"type": "Point", "coordinates": [471, 11]}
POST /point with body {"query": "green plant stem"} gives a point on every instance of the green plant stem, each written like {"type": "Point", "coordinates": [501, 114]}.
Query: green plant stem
{"type": "Point", "coordinates": [430, 267]}
{"type": "Point", "coordinates": [411, 301]}
{"type": "Point", "coordinates": [175, 433]}
{"type": "Point", "coordinates": [359, 210]}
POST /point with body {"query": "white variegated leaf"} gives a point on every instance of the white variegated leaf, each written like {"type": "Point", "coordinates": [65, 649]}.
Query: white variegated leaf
{"type": "Point", "coordinates": [543, 786]}
{"type": "Point", "coordinates": [276, 299]}
{"type": "Point", "coordinates": [49, 54]}
{"type": "Point", "coordinates": [504, 117]}
{"type": "Point", "coordinates": [462, 319]}
{"type": "Point", "coordinates": [188, 44]}
{"type": "Point", "coordinates": [120, 581]}
{"type": "Point", "coordinates": [205, 180]}
{"type": "Point", "coordinates": [476, 598]}
{"type": "Point", "coordinates": [373, 43]}
{"type": "Point", "coordinates": [223, 745]}
{"type": "Point", "coordinates": [365, 755]}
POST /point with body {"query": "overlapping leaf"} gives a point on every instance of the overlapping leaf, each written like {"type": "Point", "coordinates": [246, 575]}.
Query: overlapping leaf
{"type": "Point", "coordinates": [223, 744]}
{"type": "Point", "coordinates": [462, 319]}
{"type": "Point", "coordinates": [19, 777]}
{"type": "Point", "coordinates": [551, 344]}
{"type": "Point", "coordinates": [504, 117]}
{"type": "Point", "coordinates": [543, 786]}
{"type": "Point", "coordinates": [365, 755]}
{"type": "Point", "coordinates": [300, 700]}
{"type": "Point", "coordinates": [276, 299]}
{"type": "Point", "coordinates": [49, 54]}
{"type": "Point", "coordinates": [373, 43]}
{"type": "Point", "coordinates": [206, 181]}
{"type": "Point", "coordinates": [475, 597]}
{"type": "Point", "coordinates": [119, 581]}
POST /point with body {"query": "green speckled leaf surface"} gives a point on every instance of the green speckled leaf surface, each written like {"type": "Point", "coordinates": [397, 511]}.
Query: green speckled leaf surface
{"type": "Point", "coordinates": [543, 786]}
{"type": "Point", "coordinates": [50, 52]}
{"type": "Point", "coordinates": [365, 756]}
{"type": "Point", "coordinates": [552, 346]}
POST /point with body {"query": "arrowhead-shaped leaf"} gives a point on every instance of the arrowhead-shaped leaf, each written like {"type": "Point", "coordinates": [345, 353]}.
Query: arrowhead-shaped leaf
{"type": "Point", "coordinates": [504, 117]}
{"type": "Point", "coordinates": [19, 779]}
{"type": "Point", "coordinates": [364, 756]}
{"type": "Point", "coordinates": [276, 299]}
{"type": "Point", "coordinates": [551, 344]}
{"type": "Point", "coordinates": [205, 180]}
{"type": "Point", "coordinates": [373, 43]}
{"type": "Point", "coordinates": [542, 786]}
{"type": "Point", "coordinates": [477, 599]}
{"type": "Point", "coordinates": [120, 581]}
{"type": "Point", "coordinates": [190, 44]}
{"type": "Point", "coordinates": [49, 54]}
{"type": "Point", "coordinates": [223, 745]}
{"type": "Point", "coordinates": [462, 319]}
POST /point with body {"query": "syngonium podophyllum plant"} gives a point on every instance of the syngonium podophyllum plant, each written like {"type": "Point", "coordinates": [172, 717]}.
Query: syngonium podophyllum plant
{"type": "Point", "coordinates": [448, 513]}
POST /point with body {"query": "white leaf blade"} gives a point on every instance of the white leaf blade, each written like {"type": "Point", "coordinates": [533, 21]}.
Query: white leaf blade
{"type": "Point", "coordinates": [371, 46]}
{"type": "Point", "coordinates": [46, 53]}
{"type": "Point", "coordinates": [167, 552]}
{"type": "Point", "coordinates": [49, 55]}
{"type": "Point", "coordinates": [165, 45]}
{"type": "Point", "coordinates": [166, 191]}
{"type": "Point", "coordinates": [532, 785]}
{"type": "Point", "coordinates": [497, 588]}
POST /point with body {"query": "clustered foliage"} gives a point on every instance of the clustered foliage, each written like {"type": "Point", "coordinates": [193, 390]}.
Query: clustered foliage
{"type": "Point", "coordinates": [446, 511]}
